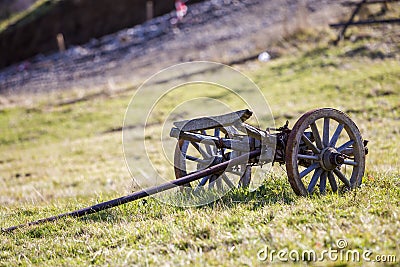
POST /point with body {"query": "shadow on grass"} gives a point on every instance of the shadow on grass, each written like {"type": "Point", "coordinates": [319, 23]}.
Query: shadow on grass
{"type": "Point", "coordinates": [108, 216]}
{"type": "Point", "coordinates": [317, 58]}
{"type": "Point", "coordinates": [368, 52]}
{"type": "Point", "coordinates": [273, 190]}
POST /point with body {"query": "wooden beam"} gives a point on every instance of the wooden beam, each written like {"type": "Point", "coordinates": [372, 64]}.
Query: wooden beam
{"type": "Point", "coordinates": [352, 3]}
{"type": "Point", "coordinates": [343, 31]}
{"type": "Point", "coordinates": [213, 121]}
{"type": "Point", "coordinates": [364, 22]}
{"type": "Point", "coordinates": [251, 130]}
{"type": "Point", "coordinates": [211, 140]}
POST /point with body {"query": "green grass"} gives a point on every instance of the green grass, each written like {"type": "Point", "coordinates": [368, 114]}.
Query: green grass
{"type": "Point", "coordinates": [56, 158]}
{"type": "Point", "coordinates": [37, 9]}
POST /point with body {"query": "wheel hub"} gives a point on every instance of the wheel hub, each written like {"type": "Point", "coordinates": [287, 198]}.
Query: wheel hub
{"type": "Point", "coordinates": [331, 159]}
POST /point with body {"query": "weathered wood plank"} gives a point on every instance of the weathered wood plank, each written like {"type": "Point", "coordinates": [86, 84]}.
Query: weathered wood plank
{"type": "Point", "coordinates": [251, 130]}
{"type": "Point", "coordinates": [213, 121]}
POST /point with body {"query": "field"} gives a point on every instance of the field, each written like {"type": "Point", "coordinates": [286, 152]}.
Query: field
{"type": "Point", "coordinates": [63, 151]}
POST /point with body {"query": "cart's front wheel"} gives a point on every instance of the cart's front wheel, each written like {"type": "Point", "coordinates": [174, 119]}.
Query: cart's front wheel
{"type": "Point", "coordinates": [324, 147]}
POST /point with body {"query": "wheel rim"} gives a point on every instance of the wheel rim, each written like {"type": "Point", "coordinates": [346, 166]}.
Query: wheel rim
{"type": "Point", "coordinates": [190, 157]}
{"type": "Point", "coordinates": [324, 150]}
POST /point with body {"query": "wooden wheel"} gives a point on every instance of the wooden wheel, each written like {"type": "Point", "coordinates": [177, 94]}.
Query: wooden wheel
{"type": "Point", "coordinates": [324, 147]}
{"type": "Point", "coordinates": [190, 157]}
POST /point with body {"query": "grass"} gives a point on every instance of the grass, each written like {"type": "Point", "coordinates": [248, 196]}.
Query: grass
{"type": "Point", "coordinates": [57, 157]}
{"type": "Point", "coordinates": [36, 9]}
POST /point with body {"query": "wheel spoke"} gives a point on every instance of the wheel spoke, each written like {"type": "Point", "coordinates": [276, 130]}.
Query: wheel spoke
{"type": "Point", "coordinates": [342, 178]}
{"type": "Point", "coordinates": [312, 157]}
{"type": "Point", "coordinates": [332, 181]}
{"type": "Point", "coordinates": [322, 183]}
{"type": "Point", "coordinates": [183, 150]}
{"type": "Point", "coordinates": [208, 147]}
{"type": "Point", "coordinates": [309, 169]}
{"type": "Point", "coordinates": [216, 134]}
{"type": "Point", "coordinates": [325, 135]}
{"type": "Point", "coordinates": [336, 135]}
{"type": "Point", "coordinates": [314, 179]}
{"type": "Point", "coordinates": [219, 183]}
{"type": "Point", "coordinates": [349, 162]}
{"type": "Point", "coordinates": [212, 181]}
{"type": "Point", "coordinates": [202, 183]}
{"type": "Point", "coordinates": [238, 173]}
{"type": "Point", "coordinates": [203, 153]}
{"type": "Point", "coordinates": [316, 135]}
{"type": "Point", "coordinates": [227, 181]}
{"type": "Point", "coordinates": [348, 151]}
{"type": "Point", "coordinates": [310, 144]}
{"type": "Point", "coordinates": [202, 161]}
{"type": "Point", "coordinates": [345, 145]}
{"type": "Point", "coordinates": [246, 177]}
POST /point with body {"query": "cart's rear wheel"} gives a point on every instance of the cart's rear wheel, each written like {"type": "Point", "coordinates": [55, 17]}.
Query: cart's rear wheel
{"type": "Point", "coordinates": [324, 147]}
{"type": "Point", "coordinates": [191, 157]}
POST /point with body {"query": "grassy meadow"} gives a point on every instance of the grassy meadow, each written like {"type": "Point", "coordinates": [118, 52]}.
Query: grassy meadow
{"type": "Point", "coordinates": [63, 151]}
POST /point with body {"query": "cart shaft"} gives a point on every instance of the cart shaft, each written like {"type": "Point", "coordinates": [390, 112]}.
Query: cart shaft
{"type": "Point", "coordinates": [145, 192]}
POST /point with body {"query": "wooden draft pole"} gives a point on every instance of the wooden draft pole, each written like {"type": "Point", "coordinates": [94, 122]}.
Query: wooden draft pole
{"type": "Point", "coordinates": [143, 193]}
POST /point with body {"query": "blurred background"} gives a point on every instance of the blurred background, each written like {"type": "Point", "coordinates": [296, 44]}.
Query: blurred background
{"type": "Point", "coordinates": [68, 69]}
{"type": "Point", "coordinates": [58, 44]}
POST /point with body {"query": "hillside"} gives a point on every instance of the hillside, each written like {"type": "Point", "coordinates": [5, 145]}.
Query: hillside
{"type": "Point", "coordinates": [213, 30]}
{"type": "Point", "coordinates": [61, 149]}
{"type": "Point", "coordinates": [59, 155]}
{"type": "Point", "coordinates": [34, 30]}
